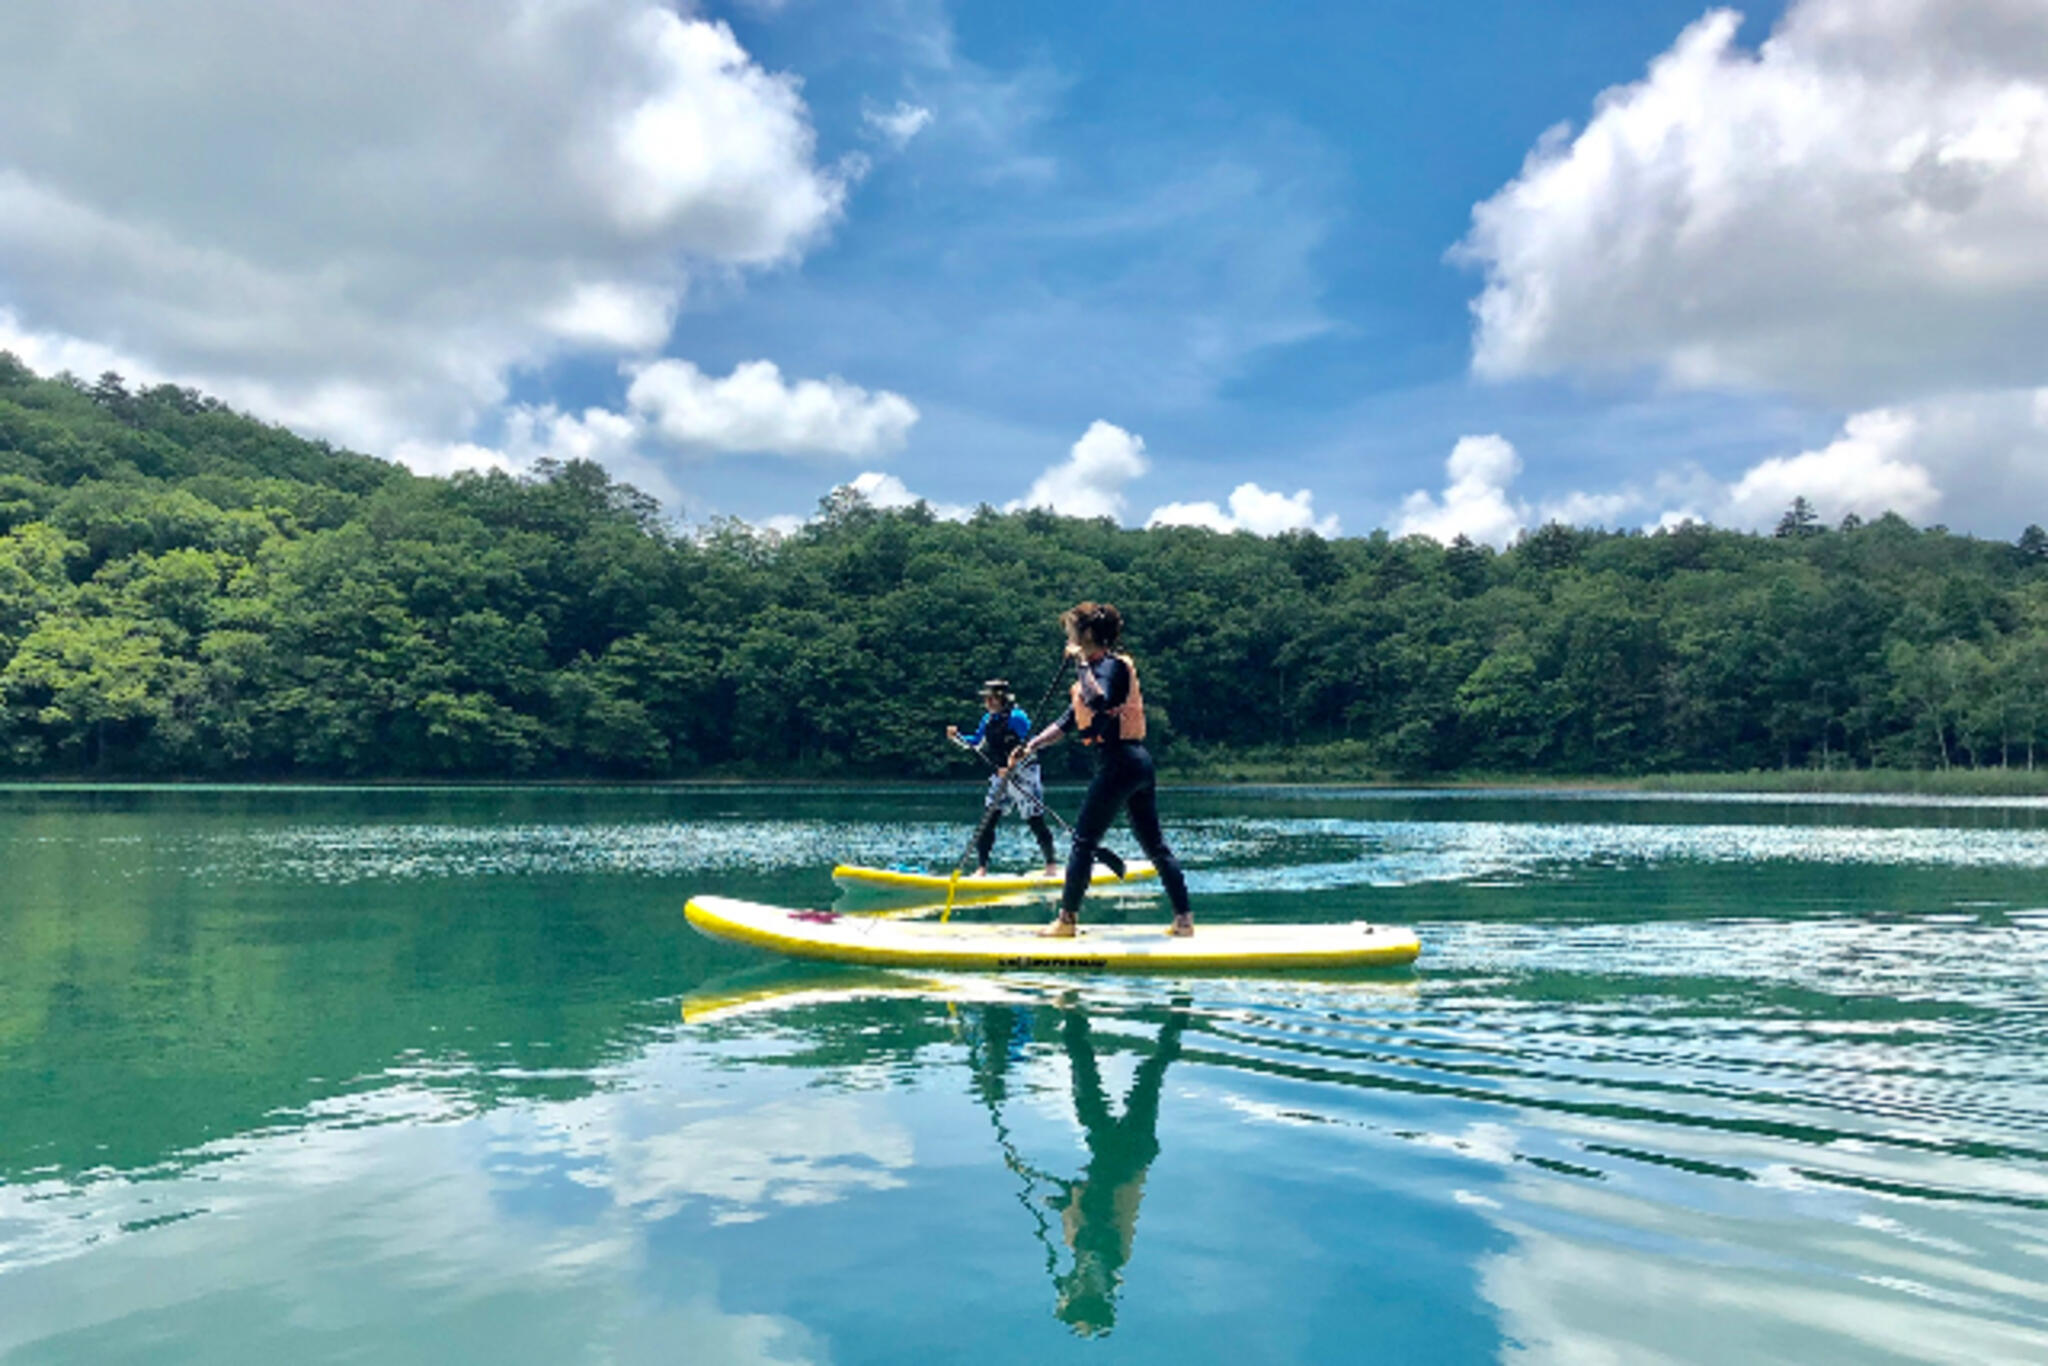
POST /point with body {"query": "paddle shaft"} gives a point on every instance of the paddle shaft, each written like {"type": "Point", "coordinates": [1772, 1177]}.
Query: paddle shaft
{"type": "Point", "coordinates": [1108, 858]}
{"type": "Point", "coordinates": [1046, 696]}
{"type": "Point", "coordinates": [1010, 781]}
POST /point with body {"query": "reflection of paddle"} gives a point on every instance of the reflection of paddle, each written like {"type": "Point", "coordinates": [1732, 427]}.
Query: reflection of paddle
{"type": "Point", "coordinates": [990, 1085]}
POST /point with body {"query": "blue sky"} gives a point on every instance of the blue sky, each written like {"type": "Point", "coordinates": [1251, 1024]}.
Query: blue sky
{"type": "Point", "coordinates": [1437, 268]}
{"type": "Point", "coordinates": [1230, 238]}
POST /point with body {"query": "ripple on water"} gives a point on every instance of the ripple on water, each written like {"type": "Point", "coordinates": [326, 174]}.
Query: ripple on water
{"type": "Point", "coordinates": [1829, 1174]}
{"type": "Point", "coordinates": [1749, 1130]}
{"type": "Point", "coordinates": [1642, 1149]}
{"type": "Point", "coordinates": [1228, 856]}
{"type": "Point", "coordinates": [1669, 1140]}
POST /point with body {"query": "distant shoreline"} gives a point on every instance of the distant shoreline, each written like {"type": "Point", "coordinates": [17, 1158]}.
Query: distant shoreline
{"type": "Point", "coordinates": [1981, 782]}
{"type": "Point", "coordinates": [1264, 772]}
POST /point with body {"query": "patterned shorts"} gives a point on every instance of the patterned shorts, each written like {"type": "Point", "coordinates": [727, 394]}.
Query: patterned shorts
{"type": "Point", "coordinates": [1021, 794]}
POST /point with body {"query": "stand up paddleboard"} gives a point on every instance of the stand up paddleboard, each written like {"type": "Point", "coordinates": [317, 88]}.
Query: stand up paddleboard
{"type": "Point", "coordinates": [831, 937]}
{"type": "Point", "coordinates": [854, 877]}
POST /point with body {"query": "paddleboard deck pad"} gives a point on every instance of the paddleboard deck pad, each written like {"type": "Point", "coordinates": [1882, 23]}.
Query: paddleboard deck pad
{"type": "Point", "coordinates": [832, 937]}
{"type": "Point", "coordinates": [854, 877]}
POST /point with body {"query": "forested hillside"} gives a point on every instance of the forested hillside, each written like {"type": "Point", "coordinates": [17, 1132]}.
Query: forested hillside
{"type": "Point", "coordinates": [186, 591]}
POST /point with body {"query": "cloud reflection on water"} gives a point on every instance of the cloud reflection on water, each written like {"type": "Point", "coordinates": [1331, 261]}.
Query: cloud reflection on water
{"type": "Point", "coordinates": [403, 1214]}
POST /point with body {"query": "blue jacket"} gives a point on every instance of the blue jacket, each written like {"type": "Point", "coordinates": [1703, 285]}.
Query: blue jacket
{"type": "Point", "coordinates": [997, 740]}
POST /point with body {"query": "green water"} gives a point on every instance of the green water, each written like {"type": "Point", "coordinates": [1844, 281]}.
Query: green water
{"type": "Point", "coordinates": [406, 1076]}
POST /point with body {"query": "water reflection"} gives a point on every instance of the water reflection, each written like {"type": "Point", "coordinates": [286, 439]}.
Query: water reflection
{"type": "Point", "coordinates": [391, 1076]}
{"type": "Point", "coordinates": [1086, 1224]}
{"type": "Point", "coordinates": [1845, 1174]}
{"type": "Point", "coordinates": [1097, 1211]}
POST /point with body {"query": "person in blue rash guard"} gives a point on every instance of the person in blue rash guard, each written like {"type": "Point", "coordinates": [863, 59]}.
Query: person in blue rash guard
{"type": "Point", "coordinates": [1003, 730]}
{"type": "Point", "coordinates": [1107, 713]}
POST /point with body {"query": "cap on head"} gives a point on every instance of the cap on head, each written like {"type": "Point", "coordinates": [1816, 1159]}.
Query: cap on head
{"type": "Point", "coordinates": [996, 687]}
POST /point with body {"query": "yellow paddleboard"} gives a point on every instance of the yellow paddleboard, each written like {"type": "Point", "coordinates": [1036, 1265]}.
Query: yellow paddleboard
{"type": "Point", "coordinates": [836, 938]}
{"type": "Point", "coordinates": [854, 877]}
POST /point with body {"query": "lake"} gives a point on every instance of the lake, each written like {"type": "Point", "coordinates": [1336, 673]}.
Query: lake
{"type": "Point", "coordinates": [442, 1075]}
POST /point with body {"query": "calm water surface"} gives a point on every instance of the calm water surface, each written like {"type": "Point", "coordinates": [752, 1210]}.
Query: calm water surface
{"type": "Point", "coordinates": [442, 1076]}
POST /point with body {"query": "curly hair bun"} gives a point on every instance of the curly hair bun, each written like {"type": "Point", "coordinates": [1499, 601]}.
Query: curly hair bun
{"type": "Point", "coordinates": [1103, 623]}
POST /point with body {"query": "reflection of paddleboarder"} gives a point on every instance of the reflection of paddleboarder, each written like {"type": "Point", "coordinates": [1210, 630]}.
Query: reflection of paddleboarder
{"type": "Point", "coordinates": [1098, 1212]}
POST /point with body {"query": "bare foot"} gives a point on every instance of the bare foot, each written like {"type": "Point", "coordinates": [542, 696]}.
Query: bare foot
{"type": "Point", "coordinates": [1183, 926]}
{"type": "Point", "coordinates": [1051, 870]}
{"type": "Point", "coordinates": [1061, 928]}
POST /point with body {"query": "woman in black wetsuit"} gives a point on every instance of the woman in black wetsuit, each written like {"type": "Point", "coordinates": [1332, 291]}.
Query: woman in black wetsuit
{"type": "Point", "coordinates": [1107, 712]}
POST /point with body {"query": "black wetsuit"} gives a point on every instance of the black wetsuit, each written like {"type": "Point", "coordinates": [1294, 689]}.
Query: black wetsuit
{"type": "Point", "coordinates": [1123, 779]}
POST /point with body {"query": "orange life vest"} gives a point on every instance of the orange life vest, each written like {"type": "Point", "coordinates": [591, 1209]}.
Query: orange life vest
{"type": "Point", "coordinates": [1130, 717]}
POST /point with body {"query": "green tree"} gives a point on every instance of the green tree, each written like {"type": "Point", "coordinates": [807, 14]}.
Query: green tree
{"type": "Point", "coordinates": [86, 690]}
{"type": "Point", "coordinates": [1799, 520]}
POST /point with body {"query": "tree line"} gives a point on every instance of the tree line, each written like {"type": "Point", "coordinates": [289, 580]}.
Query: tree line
{"type": "Point", "coordinates": [185, 591]}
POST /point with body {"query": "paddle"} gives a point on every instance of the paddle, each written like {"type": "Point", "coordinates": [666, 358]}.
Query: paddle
{"type": "Point", "coordinates": [953, 882]}
{"type": "Point", "coordinates": [1046, 696]}
{"type": "Point", "coordinates": [1108, 858]}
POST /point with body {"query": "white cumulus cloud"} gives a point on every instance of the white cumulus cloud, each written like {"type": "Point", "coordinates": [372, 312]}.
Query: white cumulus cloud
{"type": "Point", "coordinates": [1978, 459]}
{"type": "Point", "coordinates": [450, 457]}
{"type": "Point", "coordinates": [755, 410]}
{"type": "Point", "coordinates": [1880, 462]}
{"type": "Point", "coordinates": [888, 491]}
{"type": "Point", "coordinates": [1474, 501]}
{"type": "Point", "coordinates": [537, 432]}
{"type": "Point", "coordinates": [612, 316]}
{"type": "Point", "coordinates": [1854, 212]}
{"type": "Point", "coordinates": [1864, 471]}
{"type": "Point", "coordinates": [1851, 214]}
{"type": "Point", "coordinates": [674, 408]}
{"type": "Point", "coordinates": [49, 353]}
{"type": "Point", "coordinates": [1262, 512]}
{"type": "Point", "coordinates": [1090, 481]}
{"type": "Point", "coordinates": [360, 219]}
{"type": "Point", "coordinates": [617, 441]}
